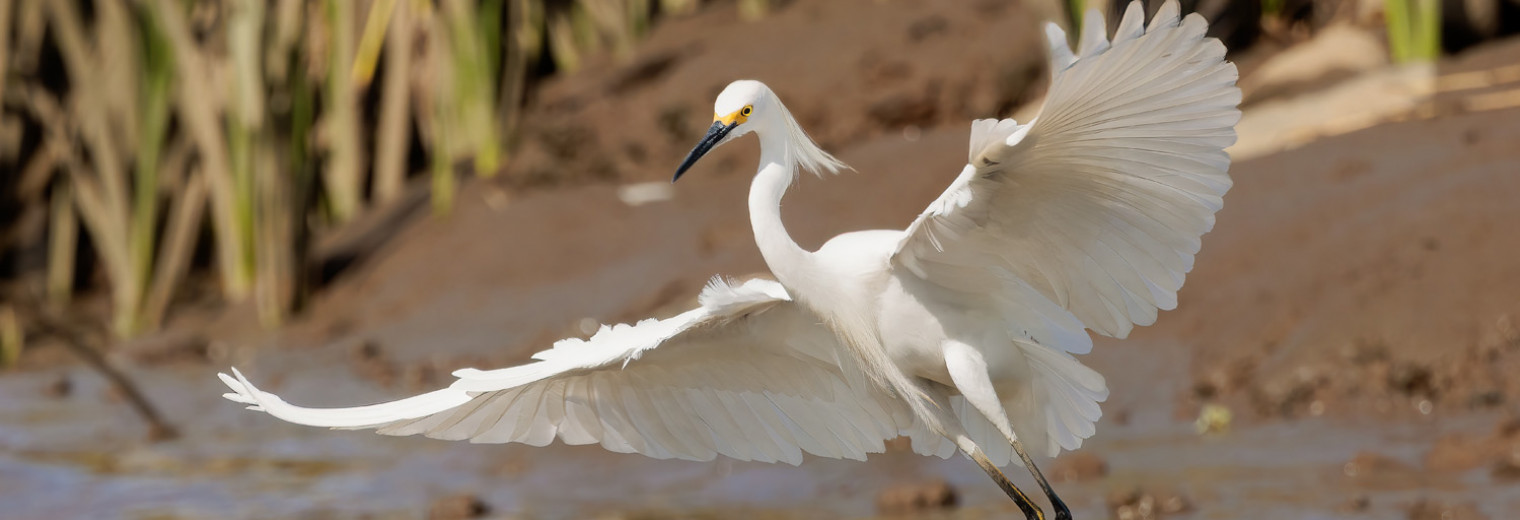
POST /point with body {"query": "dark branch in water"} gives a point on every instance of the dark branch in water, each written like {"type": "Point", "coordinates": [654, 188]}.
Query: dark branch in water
{"type": "Point", "coordinates": [79, 343]}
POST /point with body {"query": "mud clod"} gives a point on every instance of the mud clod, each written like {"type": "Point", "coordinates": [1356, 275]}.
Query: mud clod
{"type": "Point", "coordinates": [59, 388]}
{"type": "Point", "coordinates": [458, 507]}
{"type": "Point", "coordinates": [1137, 504]}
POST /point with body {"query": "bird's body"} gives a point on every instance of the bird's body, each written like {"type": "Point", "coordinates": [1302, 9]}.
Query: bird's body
{"type": "Point", "coordinates": [909, 319]}
{"type": "Point", "coordinates": [958, 332]}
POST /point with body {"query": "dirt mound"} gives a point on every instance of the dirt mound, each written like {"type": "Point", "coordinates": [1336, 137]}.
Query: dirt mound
{"type": "Point", "coordinates": [891, 65]}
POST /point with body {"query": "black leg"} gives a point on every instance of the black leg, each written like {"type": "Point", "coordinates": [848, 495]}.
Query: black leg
{"type": "Point", "coordinates": [1031, 510]}
{"type": "Point", "coordinates": [1062, 512]}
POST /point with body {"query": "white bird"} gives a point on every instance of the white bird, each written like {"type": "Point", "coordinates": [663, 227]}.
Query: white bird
{"type": "Point", "coordinates": [957, 332]}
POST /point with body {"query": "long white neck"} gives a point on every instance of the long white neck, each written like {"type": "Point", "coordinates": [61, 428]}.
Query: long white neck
{"type": "Point", "coordinates": [786, 259]}
{"type": "Point", "coordinates": [804, 278]}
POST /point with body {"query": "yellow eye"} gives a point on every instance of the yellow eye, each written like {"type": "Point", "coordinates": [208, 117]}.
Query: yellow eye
{"type": "Point", "coordinates": [746, 110]}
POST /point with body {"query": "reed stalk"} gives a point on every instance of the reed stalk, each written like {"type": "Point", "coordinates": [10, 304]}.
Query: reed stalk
{"type": "Point", "coordinates": [12, 338]}
{"type": "Point", "coordinates": [63, 243]}
{"type": "Point", "coordinates": [395, 101]}
{"type": "Point", "coordinates": [342, 173]}
{"type": "Point", "coordinates": [254, 131]}
{"type": "Point", "coordinates": [198, 112]}
{"type": "Point", "coordinates": [1414, 29]}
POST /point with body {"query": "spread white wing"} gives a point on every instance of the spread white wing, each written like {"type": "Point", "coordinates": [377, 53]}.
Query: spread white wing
{"type": "Point", "coordinates": [748, 374]}
{"type": "Point", "coordinates": [1090, 215]}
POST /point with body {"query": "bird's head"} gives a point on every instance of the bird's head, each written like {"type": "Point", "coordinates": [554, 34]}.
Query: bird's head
{"type": "Point", "coordinates": [749, 106]}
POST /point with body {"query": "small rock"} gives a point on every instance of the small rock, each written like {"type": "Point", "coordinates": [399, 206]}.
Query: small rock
{"type": "Point", "coordinates": [1136, 504]}
{"type": "Point", "coordinates": [1121, 496]}
{"type": "Point", "coordinates": [1213, 418]}
{"type": "Point", "coordinates": [915, 498]}
{"type": "Point", "coordinates": [59, 387]}
{"type": "Point", "coordinates": [1507, 468]}
{"type": "Point", "coordinates": [1356, 504]}
{"type": "Point", "coordinates": [458, 507]}
{"type": "Point", "coordinates": [1078, 467]}
{"type": "Point", "coordinates": [1174, 503]}
{"type": "Point", "coordinates": [1508, 428]}
{"type": "Point", "coordinates": [1411, 380]}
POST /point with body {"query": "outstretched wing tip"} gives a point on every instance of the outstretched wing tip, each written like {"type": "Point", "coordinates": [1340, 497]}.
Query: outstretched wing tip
{"type": "Point", "coordinates": [676, 388]}
{"type": "Point", "coordinates": [1102, 205]}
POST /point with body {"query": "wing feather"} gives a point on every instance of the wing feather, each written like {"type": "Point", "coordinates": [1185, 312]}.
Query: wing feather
{"type": "Point", "coordinates": [748, 375]}
{"type": "Point", "coordinates": [1098, 205]}
{"type": "Point", "coordinates": [1088, 217]}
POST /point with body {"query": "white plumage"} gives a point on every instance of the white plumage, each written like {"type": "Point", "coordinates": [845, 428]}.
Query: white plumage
{"type": "Point", "coordinates": [746, 375]}
{"type": "Point", "coordinates": [957, 332]}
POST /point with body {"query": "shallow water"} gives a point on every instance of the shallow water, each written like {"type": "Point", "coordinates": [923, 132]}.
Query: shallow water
{"type": "Point", "coordinates": [74, 457]}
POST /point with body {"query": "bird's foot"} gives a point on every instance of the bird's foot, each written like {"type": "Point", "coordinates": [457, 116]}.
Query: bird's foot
{"type": "Point", "coordinates": [1062, 513]}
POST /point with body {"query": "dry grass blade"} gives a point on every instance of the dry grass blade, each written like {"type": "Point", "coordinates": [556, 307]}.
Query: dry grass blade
{"type": "Point", "coordinates": [198, 111]}
{"type": "Point", "coordinates": [678, 6]}
{"type": "Point", "coordinates": [30, 26]}
{"type": "Point", "coordinates": [179, 243]}
{"type": "Point", "coordinates": [5, 43]}
{"type": "Point", "coordinates": [11, 337]}
{"type": "Point", "coordinates": [391, 142]}
{"type": "Point", "coordinates": [522, 45]}
{"type": "Point", "coordinates": [371, 40]}
{"type": "Point", "coordinates": [63, 244]}
{"type": "Point", "coordinates": [87, 109]}
{"type": "Point", "coordinates": [340, 124]}
{"type": "Point", "coordinates": [562, 42]}
{"type": "Point", "coordinates": [274, 290]}
{"type": "Point", "coordinates": [754, 9]}
{"type": "Point", "coordinates": [158, 72]}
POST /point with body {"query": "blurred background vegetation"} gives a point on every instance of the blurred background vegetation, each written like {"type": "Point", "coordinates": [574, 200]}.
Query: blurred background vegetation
{"type": "Point", "coordinates": [163, 151]}
{"type": "Point", "coordinates": [147, 141]}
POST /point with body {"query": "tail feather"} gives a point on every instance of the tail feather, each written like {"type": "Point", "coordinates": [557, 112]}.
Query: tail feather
{"type": "Point", "coordinates": [1069, 393]}
{"type": "Point", "coordinates": [1056, 409]}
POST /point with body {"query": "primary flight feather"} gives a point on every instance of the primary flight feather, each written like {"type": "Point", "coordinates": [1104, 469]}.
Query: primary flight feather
{"type": "Point", "coordinates": [957, 332]}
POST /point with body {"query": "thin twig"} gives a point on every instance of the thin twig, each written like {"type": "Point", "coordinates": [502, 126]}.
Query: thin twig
{"type": "Point", "coordinates": [78, 343]}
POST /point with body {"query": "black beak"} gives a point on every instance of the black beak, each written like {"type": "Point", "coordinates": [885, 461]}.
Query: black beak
{"type": "Point", "coordinates": [715, 133]}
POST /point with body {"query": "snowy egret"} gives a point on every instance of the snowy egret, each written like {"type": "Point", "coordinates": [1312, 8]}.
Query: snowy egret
{"type": "Point", "coordinates": [958, 332]}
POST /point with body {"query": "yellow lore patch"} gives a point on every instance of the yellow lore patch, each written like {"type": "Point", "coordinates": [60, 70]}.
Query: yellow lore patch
{"type": "Point", "coordinates": [738, 116]}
